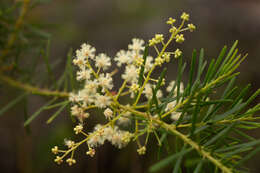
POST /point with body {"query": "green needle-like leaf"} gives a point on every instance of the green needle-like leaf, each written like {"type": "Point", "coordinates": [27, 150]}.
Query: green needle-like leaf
{"type": "Point", "coordinates": [227, 57]}
{"type": "Point", "coordinates": [168, 160]}
{"type": "Point", "coordinates": [199, 166]}
{"type": "Point", "coordinates": [37, 113]}
{"type": "Point", "coordinates": [57, 112]}
{"type": "Point", "coordinates": [248, 156]}
{"type": "Point", "coordinates": [13, 103]}
{"type": "Point", "coordinates": [194, 116]}
{"type": "Point", "coordinates": [141, 78]}
{"type": "Point", "coordinates": [192, 69]}
{"type": "Point", "coordinates": [219, 135]}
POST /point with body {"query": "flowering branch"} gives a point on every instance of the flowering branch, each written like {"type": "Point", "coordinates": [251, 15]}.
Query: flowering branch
{"type": "Point", "coordinates": [183, 106]}
{"type": "Point", "coordinates": [183, 110]}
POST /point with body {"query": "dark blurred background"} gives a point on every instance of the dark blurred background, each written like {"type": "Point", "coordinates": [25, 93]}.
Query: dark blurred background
{"type": "Point", "coordinates": [110, 25]}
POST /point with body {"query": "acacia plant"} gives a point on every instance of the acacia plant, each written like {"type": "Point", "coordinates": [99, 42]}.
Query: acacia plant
{"type": "Point", "coordinates": [207, 115]}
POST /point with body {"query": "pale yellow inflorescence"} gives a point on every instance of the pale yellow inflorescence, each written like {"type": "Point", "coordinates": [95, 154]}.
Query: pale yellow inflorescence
{"type": "Point", "coordinates": [91, 152]}
{"type": "Point", "coordinates": [185, 16]}
{"type": "Point", "coordinates": [55, 150]}
{"type": "Point", "coordinates": [78, 129]}
{"type": "Point", "coordinates": [177, 53]}
{"type": "Point", "coordinates": [99, 91]}
{"type": "Point", "coordinates": [142, 150]}
{"type": "Point", "coordinates": [191, 27]}
{"type": "Point", "coordinates": [71, 161]}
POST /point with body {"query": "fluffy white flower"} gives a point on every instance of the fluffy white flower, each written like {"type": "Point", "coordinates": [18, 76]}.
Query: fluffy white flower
{"type": "Point", "coordinates": [87, 50]}
{"type": "Point", "coordinates": [170, 86]}
{"type": "Point", "coordinates": [124, 121]}
{"type": "Point", "coordinates": [108, 113]}
{"type": "Point", "coordinates": [148, 64]}
{"type": "Point", "coordinates": [79, 113]}
{"type": "Point", "coordinates": [91, 86]}
{"type": "Point", "coordinates": [97, 137]}
{"type": "Point", "coordinates": [75, 110]}
{"type": "Point", "coordinates": [159, 94]}
{"type": "Point", "coordinates": [123, 57]}
{"type": "Point", "coordinates": [131, 74]}
{"type": "Point", "coordinates": [103, 61]}
{"type": "Point", "coordinates": [148, 91]}
{"type": "Point", "coordinates": [137, 44]}
{"type": "Point", "coordinates": [85, 96]}
{"type": "Point", "coordinates": [138, 58]}
{"type": "Point", "coordinates": [80, 60]}
{"type": "Point", "coordinates": [117, 140]}
{"type": "Point", "coordinates": [102, 101]}
{"type": "Point", "coordinates": [170, 105]}
{"type": "Point", "coordinates": [73, 97]}
{"type": "Point", "coordinates": [95, 140]}
{"type": "Point", "coordinates": [98, 127]}
{"type": "Point", "coordinates": [109, 132]}
{"type": "Point", "coordinates": [175, 116]}
{"type": "Point", "coordinates": [69, 143]}
{"type": "Point", "coordinates": [83, 74]}
{"type": "Point", "coordinates": [105, 81]}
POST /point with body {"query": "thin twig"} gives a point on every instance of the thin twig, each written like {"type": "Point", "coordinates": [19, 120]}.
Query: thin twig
{"type": "Point", "coordinates": [32, 89]}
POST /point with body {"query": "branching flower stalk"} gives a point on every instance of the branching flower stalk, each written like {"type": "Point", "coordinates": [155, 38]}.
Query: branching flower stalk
{"type": "Point", "coordinates": [97, 89]}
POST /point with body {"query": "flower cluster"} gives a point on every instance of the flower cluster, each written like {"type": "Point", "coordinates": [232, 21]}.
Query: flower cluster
{"type": "Point", "coordinates": [98, 91]}
{"type": "Point", "coordinates": [118, 138]}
